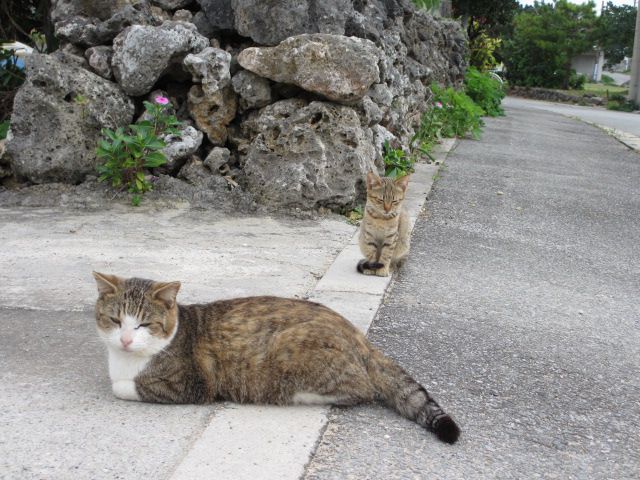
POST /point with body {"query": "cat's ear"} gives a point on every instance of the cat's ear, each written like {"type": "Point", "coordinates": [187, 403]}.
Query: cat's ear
{"type": "Point", "coordinates": [402, 182]}
{"type": "Point", "coordinates": [166, 293]}
{"type": "Point", "coordinates": [107, 284]}
{"type": "Point", "coordinates": [373, 180]}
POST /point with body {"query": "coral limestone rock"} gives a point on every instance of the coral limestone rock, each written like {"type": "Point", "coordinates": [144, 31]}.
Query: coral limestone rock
{"type": "Point", "coordinates": [57, 117]}
{"type": "Point", "coordinates": [309, 156]}
{"type": "Point", "coordinates": [212, 113]}
{"type": "Point", "coordinates": [141, 54]}
{"type": "Point", "coordinates": [337, 67]}
{"type": "Point", "coordinates": [269, 22]}
{"type": "Point", "coordinates": [209, 67]}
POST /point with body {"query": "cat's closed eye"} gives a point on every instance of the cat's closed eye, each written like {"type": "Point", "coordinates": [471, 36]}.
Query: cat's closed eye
{"type": "Point", "coordinates": [115, 320]}
{"type": "Point", "coordinates": [143, 325]}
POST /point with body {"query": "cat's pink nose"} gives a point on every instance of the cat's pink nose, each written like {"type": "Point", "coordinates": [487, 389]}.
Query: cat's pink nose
{"type": "Point", "coordinates": [126, 341]}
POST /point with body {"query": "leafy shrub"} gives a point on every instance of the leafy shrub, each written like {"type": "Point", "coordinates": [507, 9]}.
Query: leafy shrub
{"type": "Point", "coordinates": [453, 114]}
{"type": "Point", "coordinates": [459, 114]}
{"type": "Point", "coordinates": [485, 91]}
{"type": "Point", "coordinates": [577, 80]}
{"type": "Point", "coordinates": [396, 161]}
{"type": "Point", "coordinates": [129, 152]}
{"type": "Point", "coordinates": [619, 102]}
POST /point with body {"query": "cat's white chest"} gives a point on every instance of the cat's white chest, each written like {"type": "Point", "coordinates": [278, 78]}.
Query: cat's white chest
{"type": "Point", "coordinates": [123, 369]}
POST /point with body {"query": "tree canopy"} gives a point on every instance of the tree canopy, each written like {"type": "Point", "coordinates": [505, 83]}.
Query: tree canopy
{"type": "Point", "coordinates": [545, 38]}
{"type": "Point", "coordinates": [615, 32]}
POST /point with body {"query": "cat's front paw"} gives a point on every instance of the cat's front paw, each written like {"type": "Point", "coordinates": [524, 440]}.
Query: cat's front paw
{"type": "Point", "coordinates": [126, 390]}
{"type": "Point", "coordinates": [382, 272]}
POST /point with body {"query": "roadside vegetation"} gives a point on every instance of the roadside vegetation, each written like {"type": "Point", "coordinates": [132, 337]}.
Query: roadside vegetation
{"type": "Point", "coordinates": [452, 113]}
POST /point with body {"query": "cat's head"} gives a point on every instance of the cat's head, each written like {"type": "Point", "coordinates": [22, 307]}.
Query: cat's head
{"type": "Point", "coordinates": [135, 315]}
{"type": "Point", "coordinates": [385, 194]}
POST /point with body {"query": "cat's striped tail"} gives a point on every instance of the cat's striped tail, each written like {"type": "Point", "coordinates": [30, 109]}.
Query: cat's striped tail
{"type": "Point", "coordinates": [366, 265]}
{"type": "Point", "coordinates": [402, 393]}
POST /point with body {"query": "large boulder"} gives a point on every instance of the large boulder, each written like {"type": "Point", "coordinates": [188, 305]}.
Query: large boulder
{"type": "Point", "coordinates": [57, 117]}
{"type": "Point", "coordinates": [268, 22]}
{"type": "Point", "coordinates": [308, 156]}
{"type": "Point", "coordinates": [217, 15]}
{"type": "Point", "coordinates": [142, 54]}
{"type": "Point", "coordinates": [90, 31]}
{"type": "Point", "coordinates": [100, 9]}
{"type": "Point", "coordinates": [340, 68]}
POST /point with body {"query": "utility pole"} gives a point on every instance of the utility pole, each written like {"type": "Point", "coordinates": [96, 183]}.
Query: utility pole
{"type": "Point", "coordinates": [634, 83]}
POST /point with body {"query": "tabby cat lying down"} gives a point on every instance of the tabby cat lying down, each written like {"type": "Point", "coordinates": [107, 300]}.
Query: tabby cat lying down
{"type": "Point", "coordinates": [248, 350]}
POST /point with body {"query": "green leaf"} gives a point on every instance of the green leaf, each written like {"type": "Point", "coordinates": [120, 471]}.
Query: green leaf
{"type": "Point", "coordinates": [156, 144]}
{"type": "Point", "coordinates": [154, 159]}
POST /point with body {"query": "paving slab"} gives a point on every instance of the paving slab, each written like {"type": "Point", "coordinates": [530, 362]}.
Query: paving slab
{"type": "Point", "coordinates": [59, 418]}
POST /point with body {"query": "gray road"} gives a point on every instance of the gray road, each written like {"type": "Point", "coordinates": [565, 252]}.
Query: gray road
{"type": "Point", "coordinates": [623, 121]}
{"type": "Point", "coordinates": [519, 311]}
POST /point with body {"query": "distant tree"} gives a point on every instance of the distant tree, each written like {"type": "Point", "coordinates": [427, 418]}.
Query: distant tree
{"type": "Point", "coordinates": [615, 30]}
{"type": "Point", "coordinates": [545, 39]}
{"type": "Point", "coordinates": [491, 15]}
{"type": "Point", "coordinates": [485, 21]}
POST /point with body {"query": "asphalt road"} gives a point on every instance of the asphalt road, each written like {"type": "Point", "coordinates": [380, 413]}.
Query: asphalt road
{"type": "Point", "coordinates": [623, 121]}
{"type": "Point", "coordinates": [519, 310]}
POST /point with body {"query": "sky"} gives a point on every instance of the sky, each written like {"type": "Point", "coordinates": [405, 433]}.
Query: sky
{"type": "Point", "coordinates": [598, 2]}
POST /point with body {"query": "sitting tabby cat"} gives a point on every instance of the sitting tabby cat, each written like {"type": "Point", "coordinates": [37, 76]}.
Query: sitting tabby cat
{"type": "Point", "coordinates": [384, 233]}
{"type": "Point", "coordinates": [257, 349]}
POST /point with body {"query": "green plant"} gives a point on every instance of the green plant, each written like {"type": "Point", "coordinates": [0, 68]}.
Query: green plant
{"type": "Point", "coordinates": [396, 161]}
{"type": "Point", "coordinates": [577, 80]}
{"type": "Point", "coordinates": [485, 91]}
{"type": "Point", "coordinates": [427, 4]}
{"type": "Point", "coordinates": [4, 129]}
{"type": "Point", "coordinates": [356, 215]}
{"type": "Point", "coordinates": [127, 153]}
{"type": "Point", "coordinates": [39, 41]}
{"type": "Point", "coordinates": [458, 114]}
{"type": "Point", "coordinates": [620, 103]}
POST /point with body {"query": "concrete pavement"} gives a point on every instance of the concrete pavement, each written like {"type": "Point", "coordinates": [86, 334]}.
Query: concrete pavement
{"type": "Point", "coordinates": [519, 310]}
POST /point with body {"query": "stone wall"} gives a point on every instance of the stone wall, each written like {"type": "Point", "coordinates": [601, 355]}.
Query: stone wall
{"type": "Point", "coordinates": [555, 96]}
{"type": "Point", "coordinates": [290, 100]}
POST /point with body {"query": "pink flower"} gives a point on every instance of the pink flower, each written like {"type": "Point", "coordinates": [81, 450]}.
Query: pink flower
{"type": "Point", "coordinates": [438, 104]}
{"type": "Point", "coordinates": [162, 100]}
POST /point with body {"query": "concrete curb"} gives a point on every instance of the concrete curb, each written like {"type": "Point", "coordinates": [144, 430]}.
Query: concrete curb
{"type": "Point", "coordinates": [627, 139]}
{"type": "Point", "coordinates": [631, 141]}
{"type": "Point", "coordinates": [269, 443]}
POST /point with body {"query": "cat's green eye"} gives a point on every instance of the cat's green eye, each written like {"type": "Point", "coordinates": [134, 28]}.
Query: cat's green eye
{"type": "Point", "coordinates": [115, 320]}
